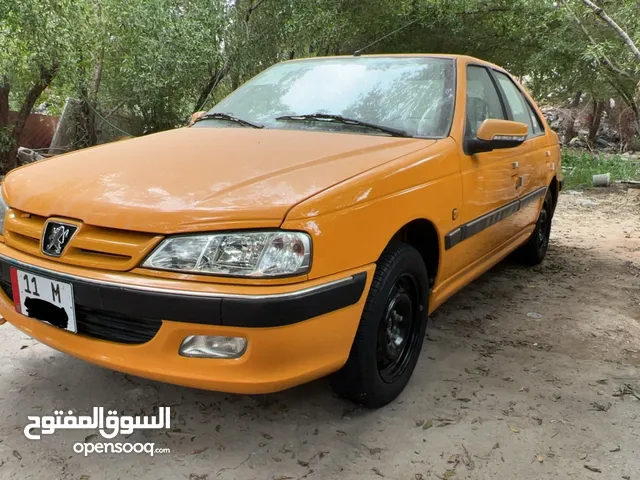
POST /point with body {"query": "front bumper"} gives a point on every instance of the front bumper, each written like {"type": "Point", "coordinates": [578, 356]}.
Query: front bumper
{"type": "Point", "coordinates": [295, 333]}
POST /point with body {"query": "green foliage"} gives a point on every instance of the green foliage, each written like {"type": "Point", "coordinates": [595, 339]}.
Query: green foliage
{"type": "Point", "coordinates": [155, 54]}
{"type": "Point", "coordinates": [579, 168]}
{"type": "Point", "coordinates": [37, 34]}
{"type": "Point", "coordinates": [6, 142]}
{"type": "Point", "coordinates": [159, 59]}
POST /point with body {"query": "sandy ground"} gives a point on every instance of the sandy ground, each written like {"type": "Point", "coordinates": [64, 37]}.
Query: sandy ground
{"type": "Point", "coordinates": [525, 374]}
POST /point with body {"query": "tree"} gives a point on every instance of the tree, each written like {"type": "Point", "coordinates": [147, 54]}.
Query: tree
{"type": "Point", "coordinates": [619, 30]}
{"type": "Point", "coordinates": [154, 62]}
{"type": "Point", "coordinates": [148, 56]}
{"type": "Point", "coordinates": [39, 40]}
{"type": "Point", "coordinates": [616, 63]}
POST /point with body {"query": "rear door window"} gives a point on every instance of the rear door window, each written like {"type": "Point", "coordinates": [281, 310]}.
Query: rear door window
{"type": "Point", "coordinates": [519, 106]}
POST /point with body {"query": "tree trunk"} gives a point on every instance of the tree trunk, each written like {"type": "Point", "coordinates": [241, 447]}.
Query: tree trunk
{"type": "Point", "coordinates": [627, 127]}
{"type": "Point", "coordinates": [235, 82]}
{"type": "Point", "coordinates": [576, 100]}
{"type": "Point", "coordinates": [570, 128]}
{"type": "Point", "coordinates": [5, 141]}
{"type": "Point", "coordinates": [8, 159]}
{"type": "Point", "coordinates": [5, 87]}
{"type": "Point", "coordinates": [92, 99]}
{"type": "Point", "coordinates": [214, 80]}
{"type": "Point", "coordinates": [570, 125]}
{"type": "Point", "coordinates": [84, 114]}
{"type": "Point", "coordinates": [251, 9]}
{"type": "Point", "coordinates": [596, 118]}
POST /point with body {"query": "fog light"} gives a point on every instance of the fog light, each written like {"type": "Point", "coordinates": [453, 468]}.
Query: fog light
{"type": "Point", "coordinates": [213, 347]}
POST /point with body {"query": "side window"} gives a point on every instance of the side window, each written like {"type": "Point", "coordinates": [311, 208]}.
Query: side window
{"type": "Point", "coordinates": [483, 100]}
{"type": "Point", "coordinates": [535, 121]}
{"type": "Point", "coordinates": [520, 108]}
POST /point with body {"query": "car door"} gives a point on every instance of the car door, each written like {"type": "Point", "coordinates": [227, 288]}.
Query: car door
{"type": "Point", "coordinates": [489, 180]}
{"type": "Point", "coordinates": [533, 163]}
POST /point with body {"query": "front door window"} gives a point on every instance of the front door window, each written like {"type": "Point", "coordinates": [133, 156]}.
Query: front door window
{"type": "Point", "coordinates": [483, 101]}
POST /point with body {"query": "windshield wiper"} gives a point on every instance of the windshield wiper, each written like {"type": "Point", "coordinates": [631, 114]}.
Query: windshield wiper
{"type": "Point", "coordinates": [326, 117]}
{"type": "Point", "coordinates": [229, 117]}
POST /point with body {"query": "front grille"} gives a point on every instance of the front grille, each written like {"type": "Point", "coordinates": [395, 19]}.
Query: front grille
{"type": "Point", "coordinates": [106, 325]}
{"type": "Point", "coordinates": [91, 246]}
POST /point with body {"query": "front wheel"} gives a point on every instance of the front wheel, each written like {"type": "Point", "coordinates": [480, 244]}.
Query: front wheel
{"type": "Point", "coordinates": [534, 251]}
{"type": "Point", "coordinates": [392, 327]}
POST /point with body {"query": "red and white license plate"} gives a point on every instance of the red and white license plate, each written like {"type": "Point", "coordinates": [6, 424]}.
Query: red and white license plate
{"type": "Point", "coordinates": [45, 299]}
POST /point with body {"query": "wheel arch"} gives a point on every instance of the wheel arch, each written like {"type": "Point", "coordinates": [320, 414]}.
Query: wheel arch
{"type": "Point", "coordinates": [422, 235]}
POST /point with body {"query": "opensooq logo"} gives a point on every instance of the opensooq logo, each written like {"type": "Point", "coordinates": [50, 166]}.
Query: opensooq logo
{"type": "Point", "coordinates": [109, 426]}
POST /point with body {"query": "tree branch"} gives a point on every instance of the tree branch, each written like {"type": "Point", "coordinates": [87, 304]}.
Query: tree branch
{"type": "Point", "coordinates": [254, 7]}
{"type": "Point", "coordinates": [214, 81]}
{"type": "Point", "coordinates": [621, 33]}
{"type": "Point", "coordinates": [251, 9]}
{"type": "Point", "coordinates": [624, 95]}
{"type": "Point", "coordinates": [9, 160]}
{"type": "Point", "coordinates": [113, 110]}
{"type": "Point", "coordinates": [609, 64]}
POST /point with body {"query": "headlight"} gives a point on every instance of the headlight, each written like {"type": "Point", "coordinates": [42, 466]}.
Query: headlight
{"type": "Point", "coordinates": [250, 254]}
{"type": "Point", "coordinates": [3, 211]}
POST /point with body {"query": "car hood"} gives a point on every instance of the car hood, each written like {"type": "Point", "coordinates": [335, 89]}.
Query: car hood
{"type": "Point", "coordinates": [192, 179]}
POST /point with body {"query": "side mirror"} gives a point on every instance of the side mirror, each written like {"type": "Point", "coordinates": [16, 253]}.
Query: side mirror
{"type": "Point", "coordinates": [195, 116]}
{"type": "Point", "coordinates": [496, 134]}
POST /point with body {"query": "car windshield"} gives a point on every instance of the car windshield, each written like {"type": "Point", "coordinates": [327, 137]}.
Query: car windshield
{"type": "Point", "coordinates": [410, 94]}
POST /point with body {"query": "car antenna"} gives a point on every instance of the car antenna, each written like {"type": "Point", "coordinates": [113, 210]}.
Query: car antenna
{"type": "Point", "coordinates": [357, 53]}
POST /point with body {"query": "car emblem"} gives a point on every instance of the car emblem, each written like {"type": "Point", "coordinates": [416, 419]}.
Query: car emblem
{"type": "Point", "coordinates": [56, 237]}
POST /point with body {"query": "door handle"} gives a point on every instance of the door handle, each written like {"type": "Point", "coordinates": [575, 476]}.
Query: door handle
{"type": "Point", "coordinates": [515, 164]}
{"type": "Point", "coordinates": [520, 182]}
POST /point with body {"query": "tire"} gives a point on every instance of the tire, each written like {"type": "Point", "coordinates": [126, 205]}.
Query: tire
{"type": "Point", "coordinates": [533, 252]}
{"type": "Point", "coordinates": [391, 330]}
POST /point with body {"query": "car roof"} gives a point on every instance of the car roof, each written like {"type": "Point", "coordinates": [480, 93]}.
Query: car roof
{"type": "Point", "coordinates": [463, 58]}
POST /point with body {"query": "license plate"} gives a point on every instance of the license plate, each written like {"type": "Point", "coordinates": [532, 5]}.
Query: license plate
{"type": "Point", "coordinates": [45, 299]}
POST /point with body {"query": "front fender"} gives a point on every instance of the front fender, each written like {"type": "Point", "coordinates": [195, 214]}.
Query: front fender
{"type": "Point", "coordinates": [352, 223]}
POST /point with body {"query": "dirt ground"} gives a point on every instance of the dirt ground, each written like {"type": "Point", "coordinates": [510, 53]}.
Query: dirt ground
{"type": "Point", "coordinates": [527, 373]}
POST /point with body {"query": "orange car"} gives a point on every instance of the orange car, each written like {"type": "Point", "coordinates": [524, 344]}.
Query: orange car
{"type": "Point", "coordinates": [305, 226]}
